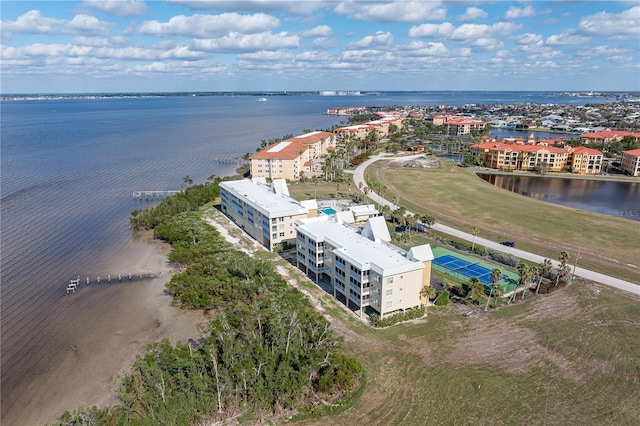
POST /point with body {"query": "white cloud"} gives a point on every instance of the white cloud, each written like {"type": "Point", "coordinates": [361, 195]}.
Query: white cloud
{"type": "Point", "coordinates": [210, 25]}
{"type": "Point", "coordinates": [305, 7]}
{"type": "Point", "coordinates": [31, 22]}
{"type": "Point", "coordinates": [235, 42]}
{"type": "Point", "coordinates": [473, 13]}
{"type": "Point", "coordinates": [42, 49]}
{"type": "Point", "coordinates": [487, 43]}
{"type": "Point", "coordinates": [420, 48]}
{"type": "Point", "coordinates": [88, 24]}
{"type": "Point", "coordinates": [145, 54]}
{"type": "Point", "coordinates": [392, 11]}
{"type": "Point", "coordinates": [118, 7]}
{"type": "Point", "coordinates": [467, 32]}
{"type": "Point", "coordinates": [565, 39]}
{"type": "Point", "coordinates": [314, 56]}
{"type": "Point", "coordinates": [528, 38]}
{"type": "Point", "coordinates": [180, 68]}
{"type": "Point", "coordinates": [602, 51]}
{"type": "Point", "coordinates": [432, 30]}
{"type": "Point", "coordinates": [266, 55]}
{"type": "Point", "coordinates": [624, 25]}
{"type": "Point", "coordinates": [379, 39]}
{"type": "Point", "coordinates": [515, 12]}
{"type": "Point", "coordinates": [319, 31]}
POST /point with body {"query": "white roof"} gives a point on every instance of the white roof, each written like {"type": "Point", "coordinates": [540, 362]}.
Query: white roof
{"type": "Point", "coordinates": [279, 186]}
{"type": "Point", "coordinates": [356, 248]}
{"type": "Point", "coordinates": [309, 204]}
{"type": "Point", "coordinates": [422, 253]}
{"type": "Point", "coordinates": [376, 230]}
{"type": "Point", "coordinates": [262, 198]}
{"type": "Point", "coordinates": [279, 147]}
{"type": "Point", "coordinates": [369, 209]}
{"type": "Point", "coordinates": [344, 217]}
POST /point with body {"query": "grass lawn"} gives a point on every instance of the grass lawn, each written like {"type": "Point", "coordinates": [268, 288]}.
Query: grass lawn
{"type": "Point", "coordinates": [565, 358]}
{"type": "Point", "coordinates": [456, 197]}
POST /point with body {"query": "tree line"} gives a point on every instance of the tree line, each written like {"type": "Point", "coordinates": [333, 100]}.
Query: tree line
{"type": "Point", "coordinates": [266, 351]}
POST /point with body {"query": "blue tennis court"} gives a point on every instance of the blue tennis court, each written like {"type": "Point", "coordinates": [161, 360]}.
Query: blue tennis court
{"type": "Point", "coordinates": [463, 267]}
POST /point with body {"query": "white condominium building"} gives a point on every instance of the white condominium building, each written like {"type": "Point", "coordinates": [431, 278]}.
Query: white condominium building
{"type": "Point", "coordinates": [364, 268]}
{"type": "Point", "coordinates": [265, 212]}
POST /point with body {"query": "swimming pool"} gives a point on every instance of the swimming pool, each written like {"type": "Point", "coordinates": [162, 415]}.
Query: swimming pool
{"type": "Point", "coordinates": [328, 211]}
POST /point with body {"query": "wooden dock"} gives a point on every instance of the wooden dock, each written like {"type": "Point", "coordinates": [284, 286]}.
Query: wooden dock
{"type": "Point", "coordinates": [152, 195]}
{"type": "Point", "coordinates": [110, 279]}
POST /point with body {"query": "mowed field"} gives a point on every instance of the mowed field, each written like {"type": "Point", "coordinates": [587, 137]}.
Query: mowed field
{"type": "Point", "coordinates": [456, 197]}
{"type": "Point", "coordinates": [570, 357]}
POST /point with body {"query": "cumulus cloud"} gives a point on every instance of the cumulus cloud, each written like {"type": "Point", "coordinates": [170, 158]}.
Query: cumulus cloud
{"type": "Point", "coordinates": [624, 25]}
{"type": "Point", "coordinates": [43, 49]}
{"type": "Point", "coordinates": [305, 7]}
{"type": "Point", "coordinates": [266, 55]}
{"type": "Point", "coordinates": [394, 11]}
{"type": "Point", "coordinates": [420, 48]}
{"type": "Point", "coordinates": [564, 39]}
{"type": "Point", "coordinates": [236, 42]}
{"type": "Point", "coordinates": [180, 68]}
{"type": "Point", "coordinates": [145, 54]}
{"type": "Point", "coordinates": [118, 7]}
{"type": "Point", "coordinates": [473, 13]}
{"type": "Point", "coordinates": [528, 38]}
{"type": "Point", "coordinates": [319, 31]}
{"type": "Point", "coordinates": [379, 39]}
{"type": "Point", "coordinates": [88, 24]}
{"type": "Point", "coordinates": [516, 12]}
{"type": "Point", "coordinates": [210, 25]}
{"type": "Point", "coordinates": [432, 30]}
{"type": "Point", "coordinates": [31, 22]}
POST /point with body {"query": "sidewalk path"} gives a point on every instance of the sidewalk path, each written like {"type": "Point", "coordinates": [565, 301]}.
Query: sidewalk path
{"type": "Point", "coordinates": [358, 178]}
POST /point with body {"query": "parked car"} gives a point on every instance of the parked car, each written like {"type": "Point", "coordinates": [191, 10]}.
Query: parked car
{"type": "Point", "coordinates": [508, 243]}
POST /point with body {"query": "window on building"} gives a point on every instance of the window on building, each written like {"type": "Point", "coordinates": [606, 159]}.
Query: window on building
{"type": "Point", "coordinates": [390, 280]}
{"type": "Point", "coordinates": [282, 234]}
{"type": "Point", "coordinates": [389, 292]}
{"type": "Point", "coordinates": [388, 304]}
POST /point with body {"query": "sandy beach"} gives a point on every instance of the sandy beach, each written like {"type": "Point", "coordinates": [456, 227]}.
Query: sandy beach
{"type": "Point", "coordinates": [84, 372]}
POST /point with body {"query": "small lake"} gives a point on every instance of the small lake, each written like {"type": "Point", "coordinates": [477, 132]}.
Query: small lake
{"type": "Point", "coordinates": [453, 157]}
{"type": "Point", "coordinates": [613, 198]}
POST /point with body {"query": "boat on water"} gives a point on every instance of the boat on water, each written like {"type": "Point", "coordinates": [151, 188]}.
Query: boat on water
{"type": "Point", "coordinates": [262, 99]}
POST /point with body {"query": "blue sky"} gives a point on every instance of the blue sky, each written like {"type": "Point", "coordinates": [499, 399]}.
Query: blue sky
{"type": "Point", "coordinates": [264, 45]}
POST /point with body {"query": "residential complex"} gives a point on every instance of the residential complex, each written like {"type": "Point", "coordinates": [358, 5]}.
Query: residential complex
{"type": "Point", "coordinates": [293, 158]}
{"type": "Point", "coordinates": [381, 126]}
{"type": "Point", "coordinates": [630, 162]}
{"type": "Point", "coordinates": [607, 136]}
{"type": "Point", "coordinates": [265, 212]}
{"type": "Point", "coordinates": [534, 156]}
{"type": "Point", "coordinates": [459, 125]}
{"type": "Point", "coordinates": [363, 267]}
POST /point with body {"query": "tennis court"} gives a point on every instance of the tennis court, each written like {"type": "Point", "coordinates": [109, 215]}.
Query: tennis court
{"type": "Point", "coordinates": [464, 267]}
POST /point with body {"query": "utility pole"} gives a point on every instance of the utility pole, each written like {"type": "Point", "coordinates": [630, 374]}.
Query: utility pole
{"type": "Point", "coordinates": [575, 262]}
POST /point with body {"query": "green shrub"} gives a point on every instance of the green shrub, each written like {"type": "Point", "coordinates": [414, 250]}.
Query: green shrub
{"type": "Point", "coordinates": [442, 298]}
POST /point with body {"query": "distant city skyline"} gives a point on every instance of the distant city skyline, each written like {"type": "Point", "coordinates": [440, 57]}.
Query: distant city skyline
{"type": "Point", "coordinates": [94, 46]}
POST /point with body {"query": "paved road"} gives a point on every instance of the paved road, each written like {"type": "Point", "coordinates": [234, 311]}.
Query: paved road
{"type": "Point", "coordinates": [358, 177]}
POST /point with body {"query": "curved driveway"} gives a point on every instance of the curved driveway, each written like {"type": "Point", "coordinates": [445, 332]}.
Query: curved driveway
{"type": "Point", "coordinates": [358, 178]}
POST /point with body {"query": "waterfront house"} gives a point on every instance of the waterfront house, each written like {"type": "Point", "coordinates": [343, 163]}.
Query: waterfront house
{"type": "Point", "coordinates": [381, 126]}
{"type": "Point", "coordinates": [460, 126]}
{"type": "Point", "coordinates": [514, 156]}
{"type": "Point", "coordinates": [264, 211]}
{"type": "Point", "coordinates": [364, 270]}
{"type": "Point", "coordinates": [294, 157]}
{"type": "Point", "coordinates": [630, 162]}
{"type": "Point", "coordinates": [607, 136]}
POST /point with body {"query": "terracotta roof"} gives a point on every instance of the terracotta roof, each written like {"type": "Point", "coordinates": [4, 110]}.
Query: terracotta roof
{"type": "Point", "coordinates": [607, 134]}
{"type": "Point", "coordinates": [285, 150]}
{"type": "Point", "coordinates": [310, 138]}
{"type": "Point", "coordinates": [500, 146]}
{"type": "Point", "coordinates": [463, 120]}
{"type": "Point", "coordinates": [634, 152]}
{"type": "Point", "coordinates": [585, 150]}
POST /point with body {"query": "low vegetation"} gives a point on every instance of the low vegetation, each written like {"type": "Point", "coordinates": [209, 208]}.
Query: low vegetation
{"type": "Point", "coordinates": [266, 352]}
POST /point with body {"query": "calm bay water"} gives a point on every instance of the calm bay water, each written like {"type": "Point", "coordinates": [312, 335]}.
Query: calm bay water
{"type": "Point", "coordinates": [612, 198]}
{"type": "Point", "coordinates": [69, 167]}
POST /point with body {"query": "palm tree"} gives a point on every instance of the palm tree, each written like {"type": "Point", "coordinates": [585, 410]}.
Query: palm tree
{"type": "Point", "coordinates": [563, 257]}
{"type": "Point", "coordinates": [524, 272]}
{"type": "Point", "coordinates": [428, 220]}
{"type": "Point", "coordinates": [411, 220]}
{"type": "Point", "coordinates": [496, 275]}
{"type": "Point", "coordinates": [475, 231]}
{"type": "Point", "coordinates": [427, 292]}
{"type": "Point", "coordinates": [543, 269]}
{"type": "Point", "coordinates": [477, 289]}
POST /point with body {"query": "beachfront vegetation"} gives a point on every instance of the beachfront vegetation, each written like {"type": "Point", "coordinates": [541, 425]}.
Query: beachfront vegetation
{"type": "Point", "coordinates": [265, 353]}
